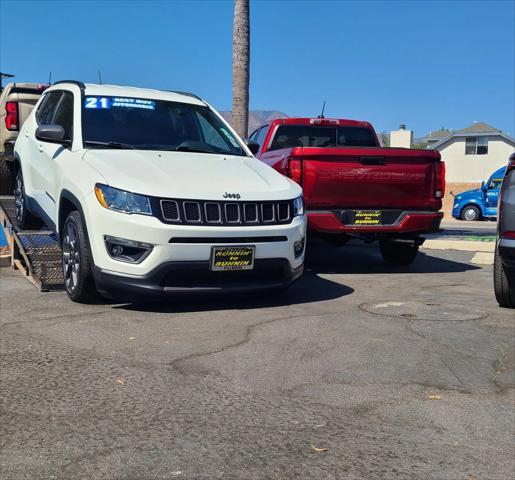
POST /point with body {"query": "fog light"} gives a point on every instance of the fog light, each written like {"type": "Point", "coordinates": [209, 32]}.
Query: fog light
{"type": "Point", "coordinates": [125, 250]}
{"type": "Point", "coordinates": [298, 247]}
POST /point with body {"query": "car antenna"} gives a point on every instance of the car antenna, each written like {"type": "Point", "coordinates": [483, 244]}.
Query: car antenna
{"type": "Point", "coordinates": [322, 114]}
{"type": "Point", "coordinates": [99, 78]}
{"type": "Point", "coordinates": [50, 78]}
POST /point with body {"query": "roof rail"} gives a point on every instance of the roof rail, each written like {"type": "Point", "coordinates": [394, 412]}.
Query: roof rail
{"type": "Point", "coordinates": [188, 94]}
{"type": "Point", "coordinates": [74, 82]}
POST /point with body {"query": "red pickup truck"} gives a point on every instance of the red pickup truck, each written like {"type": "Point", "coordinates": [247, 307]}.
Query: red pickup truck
{"type": "Point", "coordinates": [353, 187]}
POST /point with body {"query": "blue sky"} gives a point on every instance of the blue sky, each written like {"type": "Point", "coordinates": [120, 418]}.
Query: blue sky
{"type": "Point", "coordinates": [424, 63]}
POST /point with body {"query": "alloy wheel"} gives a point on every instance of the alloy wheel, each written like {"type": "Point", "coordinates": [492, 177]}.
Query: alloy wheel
{"type": "Point", "coordinates": [71, 257]}
{"type": "Point", "coordinates": [470, 214]}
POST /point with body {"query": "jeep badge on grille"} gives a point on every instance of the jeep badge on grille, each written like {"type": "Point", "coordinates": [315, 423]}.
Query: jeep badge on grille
{"type": "Point", "coordinates": [232, 195]}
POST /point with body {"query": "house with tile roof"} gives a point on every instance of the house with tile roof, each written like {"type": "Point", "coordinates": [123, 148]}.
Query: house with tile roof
{"type": "Point", "coordinates": [473, 153]}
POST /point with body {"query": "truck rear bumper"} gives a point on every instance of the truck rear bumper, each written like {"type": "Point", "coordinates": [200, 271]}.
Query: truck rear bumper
{"type": "Point", "coordinates": [335, 221]}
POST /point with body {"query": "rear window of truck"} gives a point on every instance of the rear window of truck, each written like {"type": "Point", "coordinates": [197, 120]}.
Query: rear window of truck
{"type": "Point", "coordinates": [289, 136]}
{"type": "Point", "coordinates": [26, 90]}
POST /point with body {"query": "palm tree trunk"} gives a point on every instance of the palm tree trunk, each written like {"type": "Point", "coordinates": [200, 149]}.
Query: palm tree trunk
{"type": "Point", "coordinates": [241, 67]}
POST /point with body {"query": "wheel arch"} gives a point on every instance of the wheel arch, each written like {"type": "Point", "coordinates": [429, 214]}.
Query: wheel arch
{"type": "Point", "coordinates": [68, 202]}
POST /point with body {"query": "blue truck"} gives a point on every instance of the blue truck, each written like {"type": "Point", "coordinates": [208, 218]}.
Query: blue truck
{"type": "Point", "coordinates": [480, 203]}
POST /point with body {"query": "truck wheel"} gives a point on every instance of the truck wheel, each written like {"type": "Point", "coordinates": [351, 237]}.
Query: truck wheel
{"type": "Point", "coordinates": [504, 285]}
{"type": "Point", "coordinates": [470, 213]}
{"type": "Point", "coordinates": [398, 253]}
{"type": "Point", "coordinates": [6, 177]}
{"type": "Point", "coordinates": [78, 278]}
{"type": "Point", "coordinates": [24, 219]}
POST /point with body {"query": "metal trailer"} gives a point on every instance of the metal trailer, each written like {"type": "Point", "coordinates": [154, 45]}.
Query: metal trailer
{"type": "Point", "coordinates": [35, 253]}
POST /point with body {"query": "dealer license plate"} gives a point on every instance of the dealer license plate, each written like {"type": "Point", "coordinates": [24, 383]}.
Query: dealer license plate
{"type": "Point", "coordinates": [232, 258]}
{"type": "Point", "coordinates": [367, 217]}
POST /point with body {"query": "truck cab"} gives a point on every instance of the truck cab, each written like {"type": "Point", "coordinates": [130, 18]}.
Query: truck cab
{"type": "Point", "coordinates": [479, 203]}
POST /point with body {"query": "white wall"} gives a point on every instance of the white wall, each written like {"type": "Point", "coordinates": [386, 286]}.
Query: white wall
{"type": "Point", "coordinates": [401, 138]}
{"type": "Point", "coordinates": [474, 168]}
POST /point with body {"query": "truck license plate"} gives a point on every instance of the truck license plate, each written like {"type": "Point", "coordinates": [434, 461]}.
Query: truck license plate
{"type": "Point", "coordinates": [232, 258]}
{"type": "Point", "coordinates": [367, 217]}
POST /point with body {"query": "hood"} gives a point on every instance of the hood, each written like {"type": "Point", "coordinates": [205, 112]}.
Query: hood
{"type": "Point", "coordinates": [190, 175]}
{"type": "Point", "coordinates": [476, 192]}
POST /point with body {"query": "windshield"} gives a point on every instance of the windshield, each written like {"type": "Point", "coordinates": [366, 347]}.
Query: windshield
{"type": "Point", "coordinates": [145, 124]}
{"type": "Point", "coordinates": [289, 136]}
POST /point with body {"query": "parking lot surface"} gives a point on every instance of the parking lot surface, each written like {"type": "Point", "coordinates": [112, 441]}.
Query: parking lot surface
{"type": "Point", "coordinates": [359, 371]}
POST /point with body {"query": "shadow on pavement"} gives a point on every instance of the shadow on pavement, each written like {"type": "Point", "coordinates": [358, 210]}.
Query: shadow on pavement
{"type": "Point", "coordinates": [323, 257]}
{"type": "Point", "coordinates": [309, 288]}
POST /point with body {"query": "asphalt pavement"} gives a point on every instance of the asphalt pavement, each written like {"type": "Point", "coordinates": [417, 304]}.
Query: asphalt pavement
{"type": "Point", "coordinates": [359, 371]}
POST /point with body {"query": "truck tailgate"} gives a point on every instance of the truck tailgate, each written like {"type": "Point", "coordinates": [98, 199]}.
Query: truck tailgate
{"type": "Point", "coordinates": [368, 177]}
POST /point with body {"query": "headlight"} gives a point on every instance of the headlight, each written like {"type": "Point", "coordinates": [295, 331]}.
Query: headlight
{"type": "Point", "coordinates": [122, 201]}
{"type": "Point", "coordinates": [298, 206]}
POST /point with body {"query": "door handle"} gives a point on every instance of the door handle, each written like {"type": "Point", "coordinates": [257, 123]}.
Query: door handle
{"type": "Point", "coordinates": [26, 132]}
{"type": "Point", "coordinates": [40, 147]}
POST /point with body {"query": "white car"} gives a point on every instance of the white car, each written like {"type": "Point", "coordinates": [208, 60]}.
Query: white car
{"type": "Point", "coordinates": [152, 192]}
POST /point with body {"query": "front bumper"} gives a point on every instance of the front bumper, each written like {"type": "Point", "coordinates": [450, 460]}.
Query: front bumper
{"type": "Point", "coordinates": [182, 248]}
{"type": "Point", "coordinates": [195, 278]}
{"type": "Point", "coordinates": [332, 221]}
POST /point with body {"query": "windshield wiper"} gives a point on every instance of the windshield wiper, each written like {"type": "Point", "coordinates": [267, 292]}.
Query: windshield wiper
{"type": "Point", "coordinates": [109, 144]}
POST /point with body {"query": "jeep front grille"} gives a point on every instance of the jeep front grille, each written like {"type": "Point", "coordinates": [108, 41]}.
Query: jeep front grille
{"type": "Point", "coordinates": [206, 212]}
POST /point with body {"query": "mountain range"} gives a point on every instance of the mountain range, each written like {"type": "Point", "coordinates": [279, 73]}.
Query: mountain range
{"type": "Point", "coordinates": [257, 117]}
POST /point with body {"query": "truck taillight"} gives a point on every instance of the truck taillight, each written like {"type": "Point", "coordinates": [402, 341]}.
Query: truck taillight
{"type": "Point", "coordinates": [440, 180]}
{"type": "Point", "coordinates": [294, 169]}
{"type": "Point", "coordinates": [11, 117]}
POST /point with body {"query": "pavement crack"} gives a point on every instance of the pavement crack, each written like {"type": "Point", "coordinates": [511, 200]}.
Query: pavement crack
{"type": "Point", "coordinates": [50, 318]}
{"type": "Point", "coordinates": [247, 335]}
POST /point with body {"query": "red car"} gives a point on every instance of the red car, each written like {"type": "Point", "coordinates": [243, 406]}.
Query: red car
{"type": "Point", "coordinates": [353, 187]}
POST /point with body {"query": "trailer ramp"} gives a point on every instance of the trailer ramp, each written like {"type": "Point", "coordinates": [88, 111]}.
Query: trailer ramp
{"type": "Point", "coordinates": [35, 253]}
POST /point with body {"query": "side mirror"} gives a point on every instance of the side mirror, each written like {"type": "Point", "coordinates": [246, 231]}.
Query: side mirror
{"type": "Point", "coordinates": [253, 146]}
{"type": "Point", "coordinates": [482, 185]}
{"type": "Point", "coordinates": [51, 134]}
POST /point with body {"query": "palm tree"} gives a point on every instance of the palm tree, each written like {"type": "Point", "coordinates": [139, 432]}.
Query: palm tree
{"type": "Point", "coordinates": [240, 67]}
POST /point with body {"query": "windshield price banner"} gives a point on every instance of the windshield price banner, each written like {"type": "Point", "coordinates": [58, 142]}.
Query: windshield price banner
{"type": "Point", "coordinates": [114, 102]}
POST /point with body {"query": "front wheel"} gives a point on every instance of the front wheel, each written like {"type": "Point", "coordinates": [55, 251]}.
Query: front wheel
{"type": "Point", "coordinates": [397, 252]}
{"type": "Point", "coordinates": [470, 213]}
{"type": "Point", "coordinates": [504, 285]}
{"type": "Point", "coordinates": [78, 278]}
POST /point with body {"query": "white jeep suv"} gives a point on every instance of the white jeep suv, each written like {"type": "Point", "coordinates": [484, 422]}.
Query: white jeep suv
{"type": "Point", "coordinates": [152, 192]}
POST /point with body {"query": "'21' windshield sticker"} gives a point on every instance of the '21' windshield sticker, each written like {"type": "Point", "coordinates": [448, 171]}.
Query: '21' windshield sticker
{"type": "Point", "coordinates": [97, 102]}
{"type": "Point", "coordinates": [114, 102]}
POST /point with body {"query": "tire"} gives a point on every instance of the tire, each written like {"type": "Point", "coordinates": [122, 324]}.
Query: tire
{"type": "Point", "coordinates": [24, 219]}
{"type": "Point", "coordinates": [470, 213]}
{"type": "Point", "coordinates": [398, 253]}
{"type": "Point", "coordinates": [76, 260]}
{"type": "Point", "coordinates": [6, 176]}
{"type": "Point", "coordinates": [504, 283]}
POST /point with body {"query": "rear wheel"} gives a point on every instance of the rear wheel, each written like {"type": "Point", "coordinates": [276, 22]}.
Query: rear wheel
{"type": "Point", "coordinates": [6, 176]}
{"type": "Point", "coordinates": [24, 219]}
{"type": "Point", "coordinates": [504, 283]}
{"type": "Point", "coordinates": [78, 278]}
{"type": "Point", "coordinates": [470, 213]}
{"type": "Point", "coordinates": [398, 253]}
